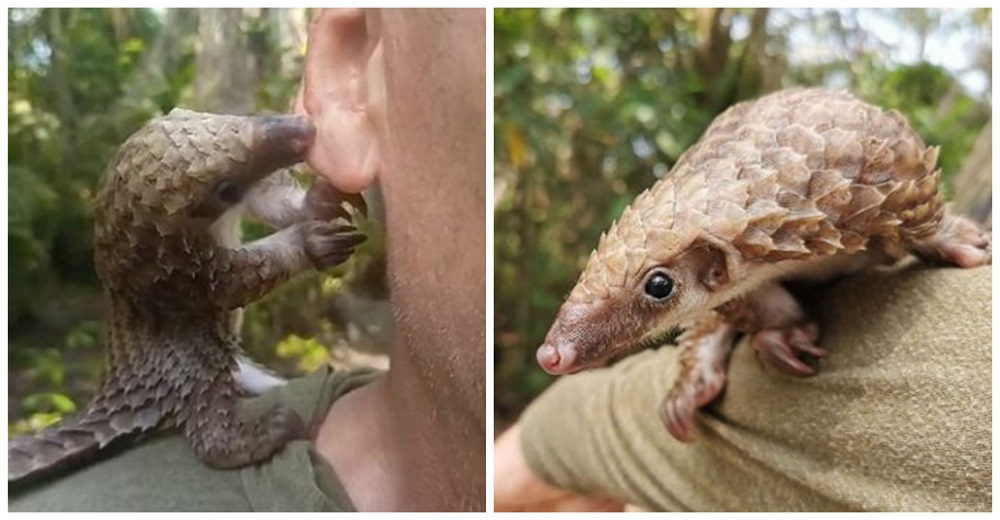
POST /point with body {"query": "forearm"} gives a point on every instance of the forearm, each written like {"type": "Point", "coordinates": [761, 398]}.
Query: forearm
{"type": "Point", "coordinates": [897, 418]}
{"type": "Point", "coordinates": [517, 489]}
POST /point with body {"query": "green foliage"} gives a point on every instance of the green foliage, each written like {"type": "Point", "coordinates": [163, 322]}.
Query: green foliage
{"type": "Point", "coordinates": [311, 354]}
{"type": "Point", "coordinates": [65, 67]}
{"type": "Point", "coordinates": [593, 106]}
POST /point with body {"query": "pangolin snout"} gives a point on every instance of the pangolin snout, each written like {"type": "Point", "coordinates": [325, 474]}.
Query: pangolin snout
{"type": "Point", "coordinates": [583, 336]}
{"type": "Point", "coordinates": [557, 358]}
{"type": "Point", "coordinates": [286, 136]}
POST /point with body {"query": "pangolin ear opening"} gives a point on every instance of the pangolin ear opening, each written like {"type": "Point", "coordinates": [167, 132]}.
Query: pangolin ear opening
{"type": "Point", "coordinates": [720, 265]}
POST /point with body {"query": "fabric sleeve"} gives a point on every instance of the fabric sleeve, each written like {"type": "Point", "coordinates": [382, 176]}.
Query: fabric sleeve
{"type": "Point", "coordinates": [898, 417]}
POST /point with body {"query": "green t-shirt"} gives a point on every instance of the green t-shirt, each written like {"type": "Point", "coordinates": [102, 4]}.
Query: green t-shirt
{"type": "Point", "coordinates": [162, 474]}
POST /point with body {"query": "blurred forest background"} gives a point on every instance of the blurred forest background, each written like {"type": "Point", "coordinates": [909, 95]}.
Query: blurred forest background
{"type": "Point", "coordinates": [593, 106]}
{"type": "Point", "coordinates": [82, 80]}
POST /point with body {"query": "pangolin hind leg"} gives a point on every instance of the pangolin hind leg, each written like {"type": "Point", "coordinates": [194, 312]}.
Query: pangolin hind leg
{"type": "Point", "coordinates": [705, 347]}
{"type": "Point", "coordinates": [957, 241]}
{"type": "Point", "coordinates": [221, 439]}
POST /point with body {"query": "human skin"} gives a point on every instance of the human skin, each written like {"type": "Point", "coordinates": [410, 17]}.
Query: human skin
{"type": "Point", "coordinates": [399, 98]}
{"type": "Point", "coordinates": [517, 489]}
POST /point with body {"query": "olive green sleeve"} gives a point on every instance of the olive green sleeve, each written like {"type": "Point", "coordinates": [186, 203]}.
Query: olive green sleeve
{"type": "Point", "coordinates": [898, 418]}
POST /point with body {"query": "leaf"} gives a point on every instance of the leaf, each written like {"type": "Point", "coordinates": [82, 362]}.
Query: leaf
{"type": "Point", "coordinates": [50, 402]}
{"type": "Point", "coordinates": [516, 147]}
{"type": "Point", "coordinates": [309, 352]}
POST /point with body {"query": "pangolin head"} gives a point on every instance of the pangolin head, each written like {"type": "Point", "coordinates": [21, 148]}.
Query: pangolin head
{"type": "Point", "coordinates": [638, 285]}
{"type": "Point", "coordinates": [190, 167]}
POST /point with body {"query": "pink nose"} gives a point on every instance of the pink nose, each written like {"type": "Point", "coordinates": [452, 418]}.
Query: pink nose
{"type": "Point", "coordinates": [548, 358]}
{"type": "Point", "coordinates": [554, 360]}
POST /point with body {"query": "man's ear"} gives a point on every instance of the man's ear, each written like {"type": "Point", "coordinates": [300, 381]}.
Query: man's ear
{"type": "Point", "coordinates": [335, 95]}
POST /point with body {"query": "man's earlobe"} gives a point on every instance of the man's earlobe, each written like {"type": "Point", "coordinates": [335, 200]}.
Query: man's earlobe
{"type": "Point", "coordinates": [335, 95]}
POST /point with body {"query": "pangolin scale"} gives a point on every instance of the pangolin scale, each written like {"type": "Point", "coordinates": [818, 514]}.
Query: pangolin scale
{"type": "Point", "coordinates": [168, 254]}
{"type": "Point", "coordinates": [802, 182]}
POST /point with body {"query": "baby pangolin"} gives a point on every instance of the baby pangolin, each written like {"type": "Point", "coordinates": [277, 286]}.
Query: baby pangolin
{"type": "Point", "coordinates": [169, 255]}
{"type": "Point", "coordinates": [800, 183]}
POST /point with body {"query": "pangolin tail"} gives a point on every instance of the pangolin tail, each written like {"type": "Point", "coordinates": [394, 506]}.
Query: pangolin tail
{"type": "Point", "coordinates": [60, 448]}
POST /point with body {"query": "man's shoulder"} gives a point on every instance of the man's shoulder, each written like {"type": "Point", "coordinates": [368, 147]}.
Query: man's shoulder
{"type": "Point", "coordinates": [163, 473]}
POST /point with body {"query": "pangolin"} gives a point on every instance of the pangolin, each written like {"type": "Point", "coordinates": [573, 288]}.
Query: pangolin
{"type": "Point", "coordinates": [802, 183]}
{"type": "Point", "coordinates": [169, 256]}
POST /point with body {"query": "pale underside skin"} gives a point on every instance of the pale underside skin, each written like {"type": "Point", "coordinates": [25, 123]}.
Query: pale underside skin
{"type": "Point", "coordinates": [800, 184]}
{"type": "Point", "coordinates": [250, 377]}
{"type": "Point", "coordinates": [169, 254]}
{"type": "Point", "coordinates": [254, 379]}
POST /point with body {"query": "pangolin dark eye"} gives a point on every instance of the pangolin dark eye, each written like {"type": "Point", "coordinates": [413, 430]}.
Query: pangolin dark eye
{"type": "Point", "coordinates": [228, 192]}
{"type": "Point", "coordinates": [659, 286]}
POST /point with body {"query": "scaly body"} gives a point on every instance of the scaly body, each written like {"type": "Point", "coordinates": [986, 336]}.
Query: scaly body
{"type": "Point", "coordinates": [800, 183]}
{"type": "Point", "coordinates": [168, 253]}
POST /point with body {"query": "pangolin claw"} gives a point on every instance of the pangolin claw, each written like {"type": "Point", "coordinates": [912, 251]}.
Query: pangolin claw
{"type": "Point", "coordinates": [329, 243]}
{"type": "Point", "coordinates": [678, 410]}
{"type": "Point", "coordinates": [356, 201]}
{"type": "Point", "coordinates": [325, 202]}
{"type": "Point", "coordinates": [677, 413]}
{"type": "Point", "coordinates": [286, 424]}
{"type": "Point", "coordinates": [782, 348]}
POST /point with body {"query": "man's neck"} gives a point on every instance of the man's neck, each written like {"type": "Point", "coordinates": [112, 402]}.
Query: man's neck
{"type": "Point", "coordinates": [399, 444]}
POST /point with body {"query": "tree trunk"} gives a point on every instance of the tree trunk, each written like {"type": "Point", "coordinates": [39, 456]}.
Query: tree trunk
{"type": "Point", "coordinates": [755, 64]}
{"type": "Point", "coordinates": [713, 41]}
{"type": "Point", "coordinates": [293, 25]}
{"type": "Point", "coordinates": [712, 56]}
{"type": "Point", "coordinates": [974, 184]}
{"type": "Point", "coordinates": [60, 72]}
{"type": "Point", "coordinates": [227, 73]}
{"type": "Point", "coordinates": [158, 64]}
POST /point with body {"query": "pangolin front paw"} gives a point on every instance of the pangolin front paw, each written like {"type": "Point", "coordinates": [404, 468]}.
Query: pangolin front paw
{"type": "Point", "coordinates": [324, 202]}
{"type": "Point", "coordinates": [782, 348]}
{"type": "Point", "coordinates": [329, 243]}
{"type": "Point", "coordinates": [678, 409]}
